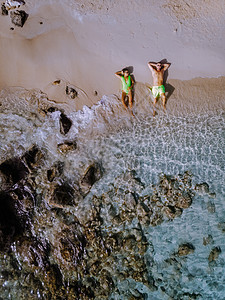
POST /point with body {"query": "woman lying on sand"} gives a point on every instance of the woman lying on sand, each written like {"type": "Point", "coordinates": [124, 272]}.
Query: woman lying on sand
{"type": "Point", "coordinates": [127, 85]}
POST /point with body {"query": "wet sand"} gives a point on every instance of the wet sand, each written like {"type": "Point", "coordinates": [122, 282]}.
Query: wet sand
{"type": "Point", "coordinates": [84, 44]}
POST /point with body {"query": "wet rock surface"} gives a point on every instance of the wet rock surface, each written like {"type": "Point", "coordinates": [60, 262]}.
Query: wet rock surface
{"type": "Point", "coordinates": [18, 17]}
{"type": "Point", "coordinates": [65, 124]}
{"type": "Point", "coordinates": [12, 4]}
{"type": "Point", "coordinates": [214, 254]}
{"type": "Point", "coordinates": [4, 10]}
{"type": "Point", "coordinates": [92, 174]}
{"type": "Point", "coordinates": [13, 170]}
{"type": "Point", "coordinates": [33, 157]}
{"type": "Point", "coordinates": [67, 146]}
{"type": "Point", "coordinates": [63, 252]}
{"type": "Point", "coordinates": [71, 92]}
{"type": "Point", "coordinates": [185, 249]}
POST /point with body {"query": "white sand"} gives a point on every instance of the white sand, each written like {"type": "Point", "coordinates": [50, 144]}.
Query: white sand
{"type": "Point", "coordinates": [83, 43]}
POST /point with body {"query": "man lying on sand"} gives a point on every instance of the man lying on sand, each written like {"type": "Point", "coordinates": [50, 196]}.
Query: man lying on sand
{"type": "Point", "coordinates": [127, 85]}
{"type": "Point", "coordinates": [158, 88]}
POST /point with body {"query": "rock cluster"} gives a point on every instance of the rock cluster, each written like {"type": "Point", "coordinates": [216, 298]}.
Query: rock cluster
{"type": "Point", "coordinates": [18, 17]}
{"type": "Point", "coordinates": [60, 253]}
{"type": "Point", "coordinates": [71, 92]}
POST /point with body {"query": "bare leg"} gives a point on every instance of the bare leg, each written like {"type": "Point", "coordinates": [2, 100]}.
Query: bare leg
{"type": "Point", "coordinates": [164, 100]}
{"type": "Point", "coordinates": [154, 104]}
{"type": "Point", "coordinates": [123, 99]}
{"type": "Point", "coordinates": [130, 101]}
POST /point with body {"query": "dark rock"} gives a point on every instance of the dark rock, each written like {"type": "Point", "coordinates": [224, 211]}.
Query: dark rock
{"type": "Point", "coordinates": [156, 219]}
{"type": "Point", "coordinates": [130, 201]}
{"type": "Point", "coordinates": [185, 249]}
{"type": "Point", "coordinates": [63, 195]}
{"type": "Point", "coordinates": [55, 171]}
{"type": "Point", "coordinates": [24, 197]}
{"type": "Point", "coordinates": [184, 201]}
{"type": "Point", "coordinates": [71, 92]}
{"type": "Point", "coordinates": [67, 146]}
{"type": "Point", "coordinates": [33, 157]}
{"type": "Point", "coordinates": [78, 290]}
{"type": "Point", "coordinates": [202, 188]}
{"type": "Point", "coordinates": [91, 175]}
{"type": "Point", "coordinates": [221, 226]}
{"type": "Point", "coordinates": [172, 212]}
{"type": "Point", "coordinates": [14, 170]}
{"type": "Point", "coordinates": [214, 254]}
{"type": "Point", "coordinates": [65, 123]}
{"type": "Point", "coordinates": [18, 17]}
{"type": "Point", "coordinates": [56, 82]}
{"type": "Point", "coordinates": [207, 240]}
{"type": "Point", "coordinates": [32, 253]}
{"type": "Point", "coordinates": [12, 221]}
{"type": "Point", "coordinates": [52, 109]}
{"type": "Point", "coordinates": [72, 250]}
{"type": "Point", "coordinates": [14, 4]}
{"type": "Point", "coordinates": [4, 10]}
{"type": "Point", "coordinates": [211, 207]}
{"type": "Point", "coordinates": [53, 279]}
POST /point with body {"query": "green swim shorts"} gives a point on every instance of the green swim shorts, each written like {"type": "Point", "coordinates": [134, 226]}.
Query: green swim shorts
{"type": "Point", "coordinates": [158, 90]}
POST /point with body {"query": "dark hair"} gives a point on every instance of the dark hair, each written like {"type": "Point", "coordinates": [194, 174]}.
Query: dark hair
{"type": "Point", "coordinates": [125, 69]}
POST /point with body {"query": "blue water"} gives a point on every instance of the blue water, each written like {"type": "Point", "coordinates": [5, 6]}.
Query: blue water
{"type": "Point", "coordinates": [166, 144]}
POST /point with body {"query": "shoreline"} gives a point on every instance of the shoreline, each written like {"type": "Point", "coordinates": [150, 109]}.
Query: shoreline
{"type": "Point", "coordinates": [195, 95]}
{"type": "Point", "coordinates": [84, 45]}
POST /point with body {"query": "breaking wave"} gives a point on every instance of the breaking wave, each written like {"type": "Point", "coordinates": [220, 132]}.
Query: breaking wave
{"type": "Point", "coordinates": [122, 176]}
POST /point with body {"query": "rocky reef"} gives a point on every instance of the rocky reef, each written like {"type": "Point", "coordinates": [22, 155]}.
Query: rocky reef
{"type": "Point", "coordinates": [59, 253]}
{"type": "Point", "coordinates": [86, 219]}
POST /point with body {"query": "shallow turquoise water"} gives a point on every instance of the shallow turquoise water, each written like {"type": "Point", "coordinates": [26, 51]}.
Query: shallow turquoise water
{"type": "Point", "coordinates": [173, 145]}
{"type": "Point", "coordinates": [166, 144]}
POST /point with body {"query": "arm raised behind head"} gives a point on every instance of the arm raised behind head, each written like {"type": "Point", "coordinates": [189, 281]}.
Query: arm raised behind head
{"type": "Point", "coordinates": [152, 65]}
{"type": "Point", "coordinates": [166, 66]}
{"type": "Point", "coordinates": [119, 74]}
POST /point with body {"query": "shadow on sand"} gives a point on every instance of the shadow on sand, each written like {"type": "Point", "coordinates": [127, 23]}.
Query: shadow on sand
{"type": "Point", "coordinates": [169, 88]}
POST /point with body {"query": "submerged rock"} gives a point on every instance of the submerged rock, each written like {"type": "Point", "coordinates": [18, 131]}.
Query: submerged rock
{"type": "Point", "coordinates": [33, 157]}
{"type": "Point", "coordinates": [184, 201]}
{"type": "Point", "coordinates": [13, 220]}
{"type": "Point", "coordinates": [92, 174]}
{"type": "Point", "coordinates": [67, 146]}
{"type": "Point", "coordinates": [214, 254]}
{"type": "Point", "coordinates": [18, 17]}
{"type": "Point", "coordinates": [65, 124]}
{"type": "Point", "coordinates": [64, 195]}
{"type": "Point", "coordinates": [185, 249]}
{"type": "Point", "coordinates": [207, 240]}
{"type": "Point", "coordinates": [13, 170]}
{"type": "Point", "coordinates": [221, 226]}
{"type": "Point", "coordinates": [202, 188]}
{"type": "Point", "coordinates": [32, 253]}
{"type": "Point", "coordinates": [172, 212]}
{"type": "Point", "coordinates": [55, 171]}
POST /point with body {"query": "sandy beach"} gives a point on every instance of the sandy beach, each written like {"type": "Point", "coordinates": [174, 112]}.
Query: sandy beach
{"type": "Point", "coordinates": [97, 202]}
{"type": "Point", "coordinates": [81, 44]}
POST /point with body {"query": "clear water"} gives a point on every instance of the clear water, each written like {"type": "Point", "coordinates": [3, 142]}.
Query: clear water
{"type": "Point", "coordinates": [167, 144]}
